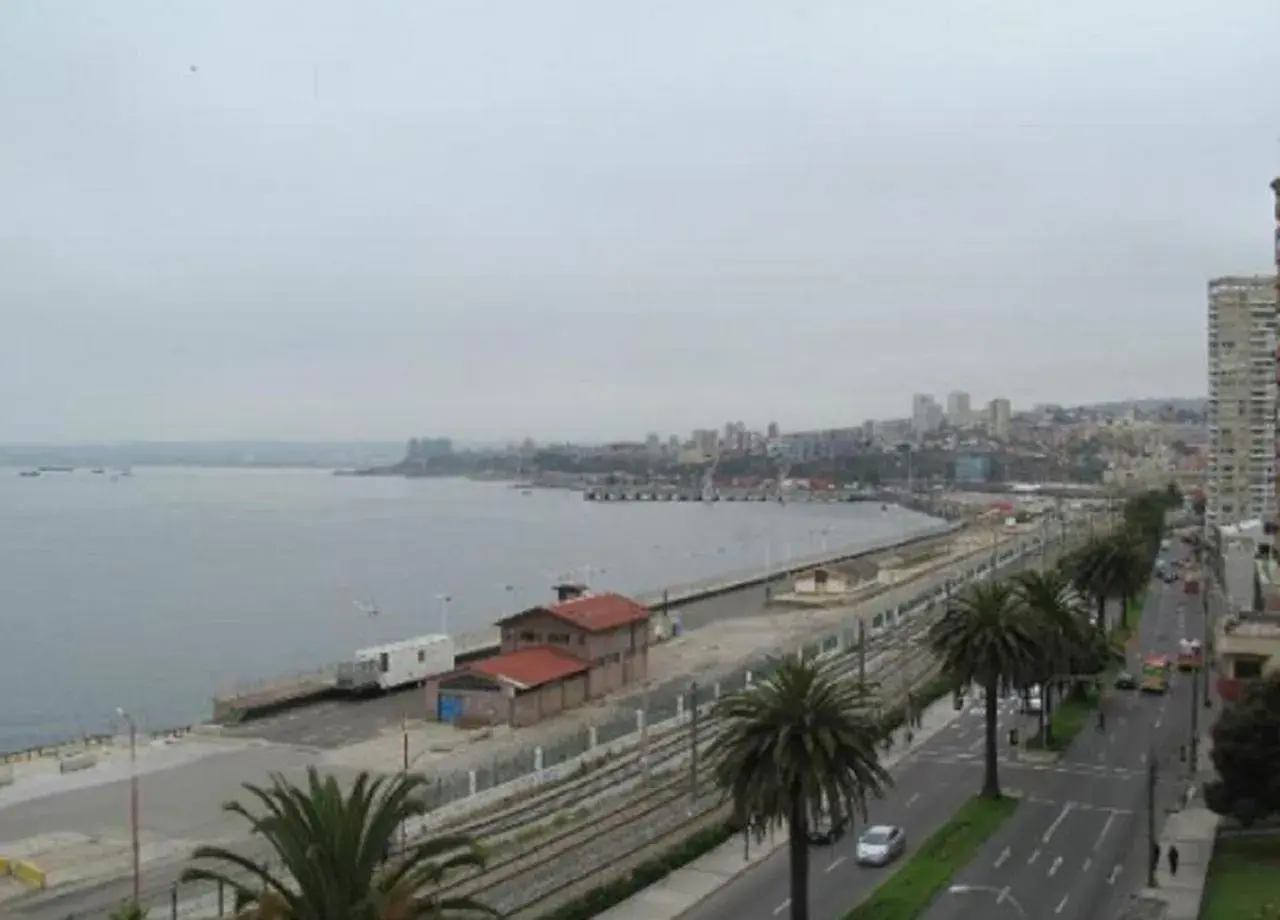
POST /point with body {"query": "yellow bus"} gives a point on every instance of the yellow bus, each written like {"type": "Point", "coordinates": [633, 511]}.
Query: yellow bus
{"type": "Point", "coordinates": [1155, 674]}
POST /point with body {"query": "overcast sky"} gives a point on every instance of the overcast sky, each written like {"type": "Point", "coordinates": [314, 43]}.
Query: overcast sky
{"type": "Point", "coordinates": [575, 218]}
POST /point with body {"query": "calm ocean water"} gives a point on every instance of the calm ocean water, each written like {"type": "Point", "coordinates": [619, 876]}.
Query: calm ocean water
{"type": "Point", "coordinates": [150, 593]}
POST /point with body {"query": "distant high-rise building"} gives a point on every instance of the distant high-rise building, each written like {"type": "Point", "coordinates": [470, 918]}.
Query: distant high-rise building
{"type": "Point", "coordinates": [773, 430]}
{"type": "Point", "coordinates": [958, 408]}
{"type": "Point", "coordinates": [926, 414]}
{"type": "Point", "coordinates": [999, 413]}
{"type": "Point", "coordinates": [1241, 482]}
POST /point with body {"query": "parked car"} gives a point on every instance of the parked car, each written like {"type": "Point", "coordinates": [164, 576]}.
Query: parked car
{"type": "Point", "coordinates": [1126, 681]}
{"type": "Point", "coordinates": [880, 845]}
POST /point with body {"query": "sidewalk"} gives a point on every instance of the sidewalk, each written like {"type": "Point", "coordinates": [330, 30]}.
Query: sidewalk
{"type": "Point", "coordinates": [680, 891]}
{"type": "Point", "coordinates": [1193, 830]}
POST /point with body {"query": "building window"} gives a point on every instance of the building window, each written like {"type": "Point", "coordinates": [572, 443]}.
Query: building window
{"type": "Point", "coordinates": [422, 656]}
{"type": "Point", "coordinates": [384, 662]}
{"type": "Point", "coordinates": [528, 636]}
{"type": "Point", "coordinates": [558, 638]}
{"type": "Point", "coordinates": [1248, 668]}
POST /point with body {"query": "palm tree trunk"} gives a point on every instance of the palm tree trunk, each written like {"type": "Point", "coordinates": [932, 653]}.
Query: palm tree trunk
{"type": "Point", "coordinates": [798, 850]}
{"type": "Point", "coordinates": [1046, 695]}
{"type": "Point", "coordinates": [991, 780]}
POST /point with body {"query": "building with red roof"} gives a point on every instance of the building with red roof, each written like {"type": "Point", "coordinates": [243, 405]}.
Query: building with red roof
{"type": "Point", "coordinates": [553, 658]}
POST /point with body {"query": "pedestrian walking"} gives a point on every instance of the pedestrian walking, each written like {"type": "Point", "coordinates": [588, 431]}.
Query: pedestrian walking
{"type": "Point", "coordinates": [1173, 859]}
{"type": "Point", "coordinates": [1155, 856]}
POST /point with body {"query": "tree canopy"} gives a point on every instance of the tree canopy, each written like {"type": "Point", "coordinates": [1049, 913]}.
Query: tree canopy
{"type": "Point", "coordinates": [1246, 750]}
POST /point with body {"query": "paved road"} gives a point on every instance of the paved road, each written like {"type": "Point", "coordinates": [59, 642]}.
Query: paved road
{"type": "Point", "coordinates": [1081, 818]}
{"type": "Point", "coordinates": [929, 786]}
{"type": "Point", "coordinates": [1077, 847]}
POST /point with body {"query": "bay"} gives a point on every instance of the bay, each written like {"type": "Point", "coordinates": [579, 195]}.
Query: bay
{"type": "Point", "coordinates": [153, 592]}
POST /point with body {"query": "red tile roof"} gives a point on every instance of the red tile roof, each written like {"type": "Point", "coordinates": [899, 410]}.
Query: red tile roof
{"type": "Point", "coordinates": [600, 612]}
{"type": "Point", "coordinates": [592, 612]}
{"type": "Point", "coordinates": [532, 667]}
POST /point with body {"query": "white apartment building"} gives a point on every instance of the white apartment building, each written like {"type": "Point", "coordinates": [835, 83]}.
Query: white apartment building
{"type": "Point", "coordinates": [958, 411]}
{"type": "Point", "coordinates": [1241, 482]}
{"type": "Point", "coordinates": [926, 414]}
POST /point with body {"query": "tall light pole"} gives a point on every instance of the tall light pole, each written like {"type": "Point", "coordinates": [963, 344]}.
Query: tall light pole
{"type": "Point", "coordinates": [444, 600]}
{"type": "Point", "coordinates": [133, 804]}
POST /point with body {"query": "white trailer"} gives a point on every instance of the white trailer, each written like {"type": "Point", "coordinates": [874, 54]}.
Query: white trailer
{"type": "Point", "coordinates": [398, 664]}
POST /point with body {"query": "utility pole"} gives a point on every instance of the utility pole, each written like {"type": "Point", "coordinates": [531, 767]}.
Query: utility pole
{"type": "Point", "coordinates": [862, 652]}
{"type": "Point", "coordinates": [1195, 719]}
{"type": "Point", "coordinates": [404, 763]}
{"type": "Point", "coordinates": [644, 731]}
{"type": "Point", "coordinates": [1151, 817]}
{"type": "Point", "coordinates": [134, 843]}
{"type": "Point", "coordinates": [693, 745]}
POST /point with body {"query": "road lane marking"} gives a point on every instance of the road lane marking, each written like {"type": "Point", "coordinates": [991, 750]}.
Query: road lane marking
{"type": "Point", "coordinates": [1035, 854]}
{"type": "Point", "coordinates": [1057, 822]}
{"type": "Point", "coordinates": [1143, 758]}
{"type": "Point", "coordinates": [781, 907]}
{"type": "Point", "coordinates": [1157, 725]}
{"type": "Point", "coordinates": [1057, 864]}
{"type": "Point", "coordinates": [1087, 863]}
{"type": "Point", "coordinates": [1061, 904]}
{"type": "Point", "coordinates": [1115, 873]}
{"type": "Point", "coordinates": [911, 801]}
{"type": "Point", "coordinates": [1106, 826]}
{"type": "Point", "coordinates": [1003, 857]}
{"type": "Point", "coordinates": [835, 862]}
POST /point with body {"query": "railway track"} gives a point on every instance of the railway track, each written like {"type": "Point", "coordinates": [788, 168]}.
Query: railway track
{"type": "Point", "coordinates": [624, 773]}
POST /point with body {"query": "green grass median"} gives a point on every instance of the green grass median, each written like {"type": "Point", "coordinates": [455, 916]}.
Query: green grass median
{"type": "Point", "coordinates": [1243, 882]}
{"type": "Point", "coordinates": [907, 893]}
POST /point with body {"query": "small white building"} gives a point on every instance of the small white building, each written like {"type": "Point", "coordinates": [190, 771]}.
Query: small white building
{"type": "Point", "coordinates": [817, 582]}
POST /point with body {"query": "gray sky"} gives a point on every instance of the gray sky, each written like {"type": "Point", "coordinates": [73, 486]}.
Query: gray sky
{"type": "Point", "coordinates": [594, 219]}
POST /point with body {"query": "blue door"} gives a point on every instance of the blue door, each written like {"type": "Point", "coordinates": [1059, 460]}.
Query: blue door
{"type": "Point", "coordinates": [448, 707]}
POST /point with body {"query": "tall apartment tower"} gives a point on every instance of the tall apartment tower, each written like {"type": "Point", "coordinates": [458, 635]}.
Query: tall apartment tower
{"type": "Point", "coordinates": [1275, 190]}
{"type": "Point", "coordinates": [999, 415]}
{"type": "Point", "coordinates": [1242, 400]}
{"type": "Point", "coordinates": [958, 412]}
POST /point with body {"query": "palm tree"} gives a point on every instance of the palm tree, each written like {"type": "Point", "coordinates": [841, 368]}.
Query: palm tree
{"type": "Point", "coordinates": [985, 637]}
{"type": "Point", "coordinates": [1109, 568]}
{"type": "Point", "coordinates": [332, 851]}
{"type": "Point", "coordinates": [1060, 626]}
{"type": "Point", "coordinates": [793, 747]}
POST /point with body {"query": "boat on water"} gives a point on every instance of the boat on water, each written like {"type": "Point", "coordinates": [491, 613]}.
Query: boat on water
{"type": "Point", "coordinates": [56, 469]}
{"type": "Point", "coordinates": [97, 471]}
{"type": "Point", "coordinates": [29, 474]}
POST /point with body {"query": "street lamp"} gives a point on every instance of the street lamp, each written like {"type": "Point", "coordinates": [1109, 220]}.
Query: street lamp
{"type": "Point", "coordinates": [133, 804]}
{"type": "Point", "coordinates": [444, 600]}
{"type": "Point", "coordinates": [1002, 895]}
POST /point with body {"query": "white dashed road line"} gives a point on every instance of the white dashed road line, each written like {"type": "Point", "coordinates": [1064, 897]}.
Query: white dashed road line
{"type": "Point", "coordinates": [781, 907]}
{"type": "Point", "coordinates": [1061, 904]}
{"type": "Point", "coordinates": [834, 863]}
{"type": "Point", "coordinates": [1057, 864]}
{"type": "Point", "coordinates": [1003, 857]}
{"type": "Point", "coordinates": [1035, 854]}
{"type": "Point", "coordinates": [915, 798]}
{"type": "Point", "coordinates": [1057, 822]}
{"type": "Point", "coordinates": [1106, 826]}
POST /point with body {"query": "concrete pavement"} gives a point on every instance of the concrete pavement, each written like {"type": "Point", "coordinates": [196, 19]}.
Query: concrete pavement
{"type": "Point", "coordinates": [1078, 848]}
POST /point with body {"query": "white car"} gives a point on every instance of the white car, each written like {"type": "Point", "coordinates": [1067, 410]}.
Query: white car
{"type": "Point", "coordinates": [880, 845]}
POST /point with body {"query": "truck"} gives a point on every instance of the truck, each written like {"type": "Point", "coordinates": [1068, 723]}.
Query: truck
{"type": "Point", "coordinates": [409, 662]}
